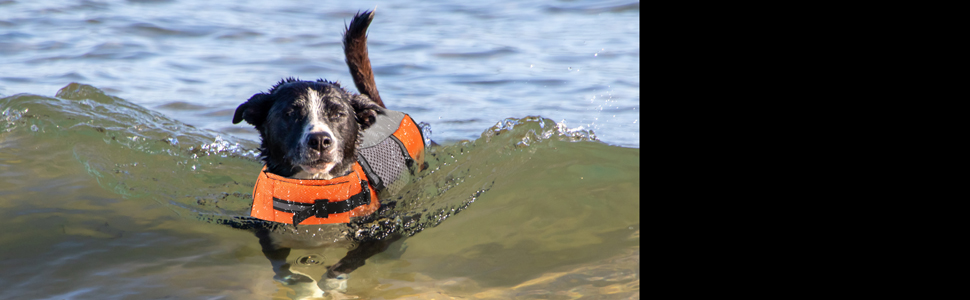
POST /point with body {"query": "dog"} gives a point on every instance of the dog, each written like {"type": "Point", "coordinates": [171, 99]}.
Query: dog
{"type": "Point", "coordinates": [328, 154]}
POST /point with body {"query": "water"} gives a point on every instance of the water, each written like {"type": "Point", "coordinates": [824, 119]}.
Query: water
{"type": "Point", "coordinates": [113, 189]}
{"type": "Point", "coordinates": [458, 65]}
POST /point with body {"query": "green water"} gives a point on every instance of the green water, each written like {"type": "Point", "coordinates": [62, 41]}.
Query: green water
{"type": "Point", "coordinates": [103, 199]}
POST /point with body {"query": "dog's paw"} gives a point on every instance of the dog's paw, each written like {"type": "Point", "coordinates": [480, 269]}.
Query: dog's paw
{"type": "Point", "coordinates": [338, 284]}
{"type": "Point", "coordinates": [293, 278]}
{"type": "Point", "coordinates": [335, 295]}
{"type": "Point", "coordinates": [302, 285]}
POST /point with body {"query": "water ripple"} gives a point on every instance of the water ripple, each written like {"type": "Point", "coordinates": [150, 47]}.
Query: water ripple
{"type": "Point", "coordinates": [595, 7]}
{"type": "Point", "coordinates": [496, 59]}
{"type": "Point", "coordinates": [152, 30]}
{"type": "Point", "coordinates": [482, 54]}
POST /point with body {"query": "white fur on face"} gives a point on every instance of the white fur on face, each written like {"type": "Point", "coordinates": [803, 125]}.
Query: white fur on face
{"type": "Point", "coordinates": [316, 124]}
{"type": "Point", "coordinates": [320, 173]}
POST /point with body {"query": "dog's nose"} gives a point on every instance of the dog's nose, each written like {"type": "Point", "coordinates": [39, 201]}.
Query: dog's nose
{"type": "Point", "coordinates": [319, 141]}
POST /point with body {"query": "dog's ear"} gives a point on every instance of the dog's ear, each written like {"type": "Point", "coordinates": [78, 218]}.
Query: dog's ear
{"type": "Point", "coordinates": [254, 110]}
{"type": "Point", "coordinates": [366, 110]}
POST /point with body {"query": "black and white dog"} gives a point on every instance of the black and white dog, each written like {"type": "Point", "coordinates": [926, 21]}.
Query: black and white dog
{"type": "Point", "coordinates": [328, 154]}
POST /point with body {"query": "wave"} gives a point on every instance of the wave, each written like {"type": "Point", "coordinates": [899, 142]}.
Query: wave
{"type": "Point", "coordinates": [143, 155]}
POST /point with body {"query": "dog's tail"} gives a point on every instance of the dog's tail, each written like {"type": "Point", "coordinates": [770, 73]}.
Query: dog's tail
{"type": "Point", "coordinates": [355, 48]}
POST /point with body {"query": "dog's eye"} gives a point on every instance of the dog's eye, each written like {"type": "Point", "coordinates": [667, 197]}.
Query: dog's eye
{"type": "Point", "coordinates": [337, 114]}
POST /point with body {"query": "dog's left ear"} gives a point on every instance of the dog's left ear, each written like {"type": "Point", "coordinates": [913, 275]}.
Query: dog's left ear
{"type": "Point", "coordinates": [254, 110]}
{"type": "Point", "coordinates": [366, 110]}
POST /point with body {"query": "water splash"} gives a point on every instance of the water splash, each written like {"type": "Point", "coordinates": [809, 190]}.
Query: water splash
{"type": "Point", "coordinates": [535, 129]}
{"type": "Point", "coordinates": [426, 133]}
{"type": "Point", "coordinates": [223, 148]}
{"type": "Point", "coordinates": [10, 118]}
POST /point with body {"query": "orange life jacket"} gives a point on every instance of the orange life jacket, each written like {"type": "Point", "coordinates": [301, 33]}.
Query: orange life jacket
{"type": "Point", "coordinates": [315, 202]}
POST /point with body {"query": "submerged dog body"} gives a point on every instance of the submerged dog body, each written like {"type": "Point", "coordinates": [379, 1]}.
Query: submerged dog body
{"type": "Point", "coordinates": [313, 133]}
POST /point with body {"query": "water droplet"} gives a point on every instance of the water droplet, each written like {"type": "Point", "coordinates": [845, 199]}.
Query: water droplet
{"type": "Point", "coordinates": [311, 259]}
{"type": "Point", "coordinates": [34, 127]}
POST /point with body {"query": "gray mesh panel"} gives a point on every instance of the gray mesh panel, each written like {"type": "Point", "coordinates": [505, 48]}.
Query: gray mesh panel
{"type": "Point", "coordinates": [387, 161]}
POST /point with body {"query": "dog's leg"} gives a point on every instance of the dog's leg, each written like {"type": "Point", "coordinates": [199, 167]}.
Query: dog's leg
{"type": "Point", "coordinates": [337, 274]}
{"type": "Point", "coordinates": [277, 257]}
{"type": "Point", "coordinates": [357, 257]}
{"type": "Point", "coordinates": [355, 49]}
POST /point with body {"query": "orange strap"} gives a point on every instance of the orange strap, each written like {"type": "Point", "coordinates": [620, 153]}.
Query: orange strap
{"type": "Point", "coordinates": [313, 202]}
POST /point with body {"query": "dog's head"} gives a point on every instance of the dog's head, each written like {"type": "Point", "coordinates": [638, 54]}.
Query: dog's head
{"type": "Point", "coordinates": [309, 129]}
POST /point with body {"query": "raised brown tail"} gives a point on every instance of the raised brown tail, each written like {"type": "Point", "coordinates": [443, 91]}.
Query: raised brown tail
{"type": "Point", "coordinates": [355, 48]}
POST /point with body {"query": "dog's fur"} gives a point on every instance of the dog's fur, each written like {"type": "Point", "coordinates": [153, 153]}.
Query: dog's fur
{"type": "Point", "coordinates": [311, 130]}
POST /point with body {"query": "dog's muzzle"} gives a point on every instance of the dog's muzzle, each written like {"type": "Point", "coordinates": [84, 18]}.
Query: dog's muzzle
{"type": "Point", "coordinates": [319, 141]}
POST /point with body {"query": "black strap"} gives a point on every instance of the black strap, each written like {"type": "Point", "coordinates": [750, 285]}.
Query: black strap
{"type": "Point", "coordinates": [322, 208]}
